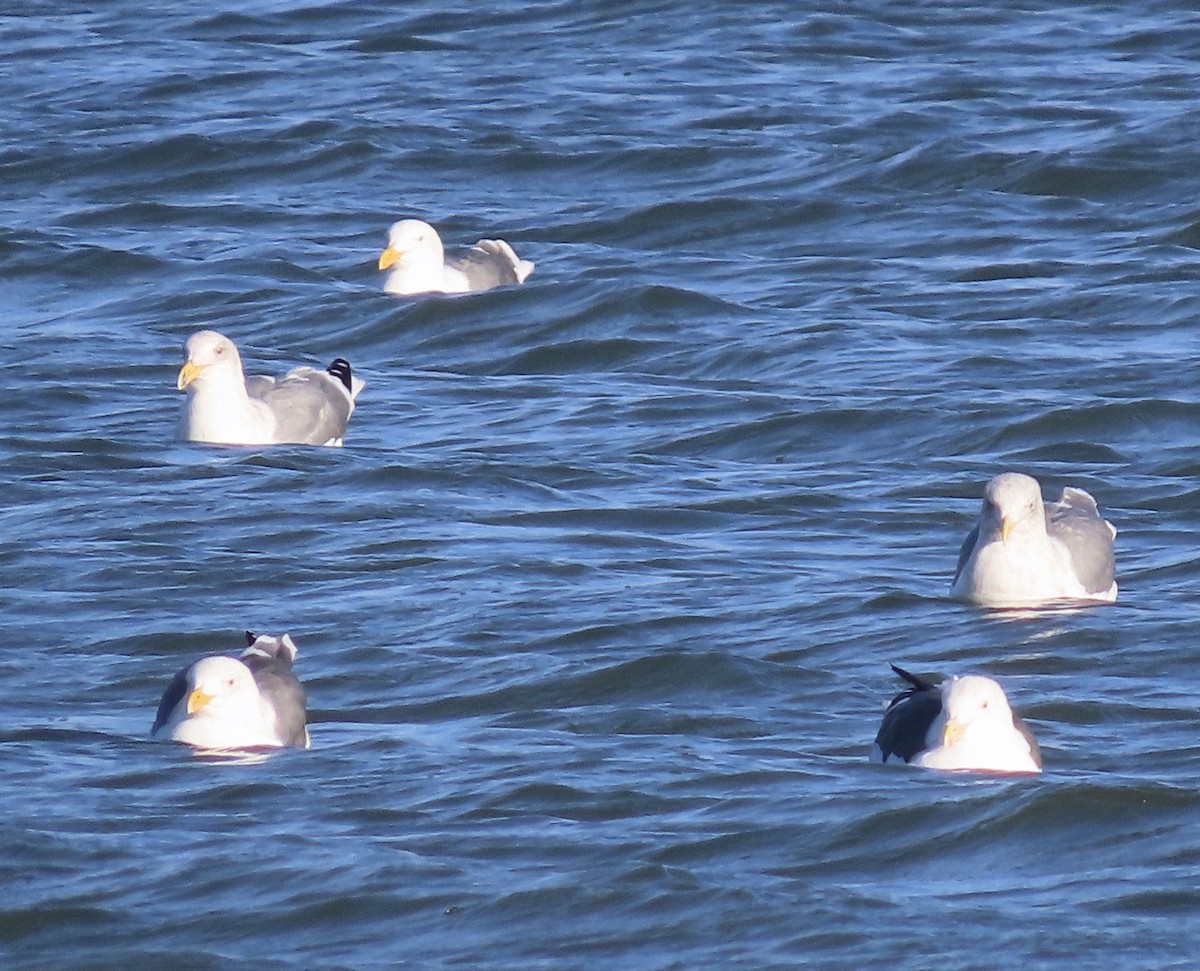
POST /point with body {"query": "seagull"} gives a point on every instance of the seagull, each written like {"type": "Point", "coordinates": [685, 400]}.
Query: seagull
{"type": "Point", "coordinates": [1025, 553]}
{"type": "Point", "coordinates": [221, 702]}
{"type": "Point", "coordinates": [965, 723]}
{"type": "Point", "coordinates": [418, 264]}
{"type": "Point", "coordinates": [223, 406]}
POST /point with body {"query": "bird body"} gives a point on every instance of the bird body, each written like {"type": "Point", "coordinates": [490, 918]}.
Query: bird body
{"type": "Point", "coordinates": [965, 723]}
{"type": "Point", "coordinates": [223, 406]}
{"type": "Point", "coordinates": [1024, 552]}
{"type": "Point", "coordinates": [253, 701]}
{"type": "Point", "coordinates": [415, 259]}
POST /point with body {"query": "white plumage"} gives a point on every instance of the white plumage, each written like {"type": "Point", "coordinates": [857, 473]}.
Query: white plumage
{"type": "Point", "coordinates": [223, 406]}
{"type": "Point", "coordinates": [965, 723]}
{"type": "Point", "coordinates": [221, 702]}
{"type": "Point", "coordinates": [416, 263]}
{"type": "Point", "coordinates": [1024, 552]}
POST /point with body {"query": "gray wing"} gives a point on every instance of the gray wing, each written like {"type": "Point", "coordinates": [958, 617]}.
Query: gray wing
{"type": "Point", "coordinates": [283, 692]}
{"type": "Point", "coordinates": [907, 720]}
{"type": "Point", "coordinates": [258, 385]}
{"type": "Point", "coordinates": [1075, 520]}
{"type": "Point", "coordinates": [171, 698]}
{"type": "Point", "coordinates": [964, 552]}
{"type": "Point", "coordinates": [491, 263]}
{"type": "Point", "coordinates": [311, 407]}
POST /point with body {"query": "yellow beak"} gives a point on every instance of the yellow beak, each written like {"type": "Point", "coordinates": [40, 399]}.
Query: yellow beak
{"type": "Point", "coordinates": [1006, 528]}
{"type": "Point", "coordinates": [187, 374]}
{"type": "Point", "coordinates": [197, 700]}
{"type": "Point", "coordinates": [389, 256]}
{"type": "Point", "coordinates": [952, 732]}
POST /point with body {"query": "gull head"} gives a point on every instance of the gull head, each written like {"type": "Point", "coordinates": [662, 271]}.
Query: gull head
{"type": "Point", "coordinates": [1012, 503]}
{"type": "Point", "coordinates": [412, 242]}
{"type": "Point", "coordinates": [206, 353]}
{"type": "Point", "coordinates": [975, 709]}
{"type": "Point", "coordinates": [221, 687]}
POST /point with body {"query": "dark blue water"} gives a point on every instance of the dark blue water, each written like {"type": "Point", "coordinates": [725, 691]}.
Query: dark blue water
{"type": "Point", "coordinates": [596, 605]}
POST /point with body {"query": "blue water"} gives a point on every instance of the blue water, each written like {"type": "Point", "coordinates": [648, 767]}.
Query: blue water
{"type": "Point", "coordinates": [596, 605]}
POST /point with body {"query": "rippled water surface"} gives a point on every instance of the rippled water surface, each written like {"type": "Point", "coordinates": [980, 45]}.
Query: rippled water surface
{"type": "Point", "coordinates": [596, 605]}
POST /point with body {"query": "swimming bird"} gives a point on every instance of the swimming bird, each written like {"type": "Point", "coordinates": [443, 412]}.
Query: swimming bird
{"type": "Point", "coordinates": [1024, 553]}
{"type": "Point", "coordinates": [965, 723]}
{"type": "Point", "coordinates": [221, 702]}
{"type": "Point", "coordinates": [417, 263]}
{"type": "Point", "coordinates": [223, 406]}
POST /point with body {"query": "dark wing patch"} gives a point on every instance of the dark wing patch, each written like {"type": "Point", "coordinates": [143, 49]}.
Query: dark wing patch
{"type": "Point", "coordinates": [284, 692]}
{"type": "Point", "coordinates": [340, 369]}
{"type": "Point", "coordinates": [907, 719]}
{"type": "Point", "coordinates": [964, 554]}
{"type": "Point", "coordinates": [1034, 751]}
{"type": "Point", "coordinates": [916, 684]}
{"type": "Point", "coordinates": [175, 693]}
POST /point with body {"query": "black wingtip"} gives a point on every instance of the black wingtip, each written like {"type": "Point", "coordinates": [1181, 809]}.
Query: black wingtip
{"type": "Point", "coordinates": [250, 639]}
{"type": "Point", "coordinates": [920, 684]}
{"type": "Point", "coordinates": [340, 369]}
